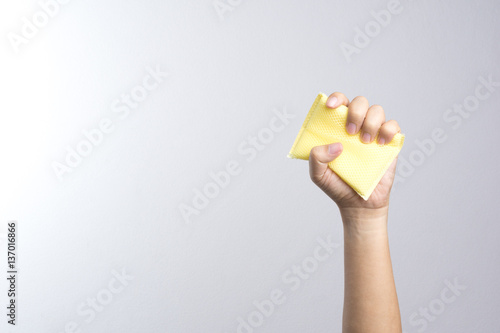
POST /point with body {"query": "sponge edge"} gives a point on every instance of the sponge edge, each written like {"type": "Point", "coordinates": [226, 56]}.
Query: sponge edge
{"type": "Point", "coordinates": [360, 165]}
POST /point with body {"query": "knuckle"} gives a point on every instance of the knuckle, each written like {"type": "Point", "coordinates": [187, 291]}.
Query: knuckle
{"type": "Point", "coordinates": [395, 126]}
{"type": "Point", "coordinates": [315, 179]}
{"type": "Point", "coordinates": [314, 152]}
{"type": "Point", "coordinates": [392, 122]}
{"type": "Point", "coordinates": [376, 114]}
{"type": "Point", "coordinates": [389, 130]}
{"type": "Point", "coordinates": [362, 99]}
{"type": "Point", "coordinates": [338, 94]}
{"type": "Point", "coordinates": [388, 125]}
{"type": "Point", "coordinates": [377, 109]}
{"type": "Point", "coordinates": [341, 97]}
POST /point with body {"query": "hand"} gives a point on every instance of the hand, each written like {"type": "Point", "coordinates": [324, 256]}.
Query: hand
{"type": "Point", "coordinates": [370, 120]}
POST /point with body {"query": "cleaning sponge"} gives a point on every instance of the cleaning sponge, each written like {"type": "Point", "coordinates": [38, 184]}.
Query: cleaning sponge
{"type": "Point", "coordinates": [360, 165]}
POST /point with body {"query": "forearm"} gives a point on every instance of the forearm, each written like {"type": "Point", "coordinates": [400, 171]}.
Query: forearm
{"type": "Point", "coordinates": [370, 300]}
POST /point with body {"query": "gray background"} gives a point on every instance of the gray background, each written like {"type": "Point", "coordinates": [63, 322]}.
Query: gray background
{"type": "Point", "coordinates": [119, 209]}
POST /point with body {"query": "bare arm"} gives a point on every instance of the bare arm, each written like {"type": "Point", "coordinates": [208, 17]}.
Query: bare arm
{"type": "Point", "coordinates": [370, 299]}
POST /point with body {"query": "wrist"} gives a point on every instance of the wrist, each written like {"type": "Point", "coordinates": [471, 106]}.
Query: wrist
{"type": "Point", "coordinates": [365, 220]}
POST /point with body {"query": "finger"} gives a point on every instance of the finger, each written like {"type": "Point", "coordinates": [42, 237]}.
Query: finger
{"type": "Point", "coordinates": [375, 117]}
{"type": "Point", "coordinates": [319, 158]}
{"type": "Point", "coordinates": [336, 99]}
{"type": "Point", "coordinates": [387, 131]}
{"type": "Point", "coordinates": [356, 114]}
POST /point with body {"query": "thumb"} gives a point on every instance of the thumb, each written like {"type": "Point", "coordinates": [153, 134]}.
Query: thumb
{"type": "Point", "coordinates": [319, 158]}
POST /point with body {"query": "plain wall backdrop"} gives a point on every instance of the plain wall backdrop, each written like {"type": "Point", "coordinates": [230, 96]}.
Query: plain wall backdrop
{"type": "Point", "coordinates": [103, 245]}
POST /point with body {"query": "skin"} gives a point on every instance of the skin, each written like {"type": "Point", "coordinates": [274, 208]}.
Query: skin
{"type": "Point", "coordinates": [370, 299]}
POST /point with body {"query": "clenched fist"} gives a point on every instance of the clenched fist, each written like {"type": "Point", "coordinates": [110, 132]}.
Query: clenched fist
{"type": "Point", "coordinates": [370, 122]}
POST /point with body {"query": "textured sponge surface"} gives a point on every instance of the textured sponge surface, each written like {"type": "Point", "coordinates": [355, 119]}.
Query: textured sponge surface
{"type": "Point", "coordinates": [360, 165]}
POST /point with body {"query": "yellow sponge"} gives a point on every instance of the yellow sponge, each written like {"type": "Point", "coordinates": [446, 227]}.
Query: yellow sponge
{"type": "Point", "coordinates": [360, 165]}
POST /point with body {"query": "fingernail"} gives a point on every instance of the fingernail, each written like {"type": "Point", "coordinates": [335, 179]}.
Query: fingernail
{"type": "Point", "coordinates": [334, 148]}
{"type": "Point", "coordinates": [331, 102]}
{"type": "Point", "coordinates": [366, 138]}
{"type": "Point", "coordinates": [381, 141]}
{"type": "Point", "coordinates": [351, 128]}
